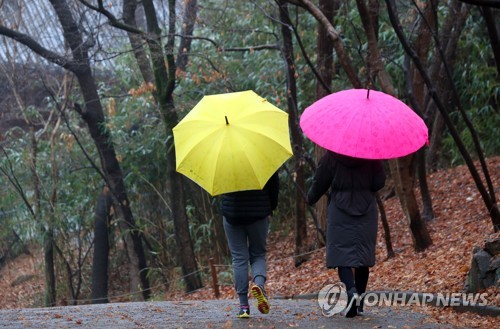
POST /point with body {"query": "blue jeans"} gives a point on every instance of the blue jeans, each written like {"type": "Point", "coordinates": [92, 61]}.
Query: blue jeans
{"type": "Point", "coordinates": [247, 244]}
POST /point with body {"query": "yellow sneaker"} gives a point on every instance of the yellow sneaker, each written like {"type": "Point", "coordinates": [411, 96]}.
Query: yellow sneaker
{"type": "Point", "coordinates": [244, 312]}
{"type": "Point", "coordinates": [262, 302]}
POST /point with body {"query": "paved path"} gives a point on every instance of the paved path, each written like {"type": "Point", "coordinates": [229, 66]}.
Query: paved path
{"type": "Point", "coordinates": [206, 314]}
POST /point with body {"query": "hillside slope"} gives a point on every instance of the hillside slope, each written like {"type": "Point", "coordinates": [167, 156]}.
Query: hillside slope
{"type": "Point", "coordinates": [461, 223]}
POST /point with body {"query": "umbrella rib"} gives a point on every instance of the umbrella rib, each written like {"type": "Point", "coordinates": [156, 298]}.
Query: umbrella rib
{"type": "Point", "coordinates": [217, 148]}
{"type": "Point", "coordinates": [273, 140]}
{"type": "Point", "coordinates": [347, 134]}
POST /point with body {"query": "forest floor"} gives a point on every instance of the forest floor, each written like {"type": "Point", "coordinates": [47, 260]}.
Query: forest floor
{"type": "Point", "coordinates": [461, 222]}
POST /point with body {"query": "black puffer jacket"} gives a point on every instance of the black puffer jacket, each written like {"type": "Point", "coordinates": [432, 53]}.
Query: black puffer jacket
{"type": "Point", "coordinates": [353, 182]}
{"type": "Point", "coordinates": [245, 207]}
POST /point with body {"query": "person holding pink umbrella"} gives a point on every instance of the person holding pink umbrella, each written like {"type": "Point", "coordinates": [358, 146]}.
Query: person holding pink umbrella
{"type": "Point", "coordinates": [359, 128]}
{"type": "Point", "coordinates": [352, 217]}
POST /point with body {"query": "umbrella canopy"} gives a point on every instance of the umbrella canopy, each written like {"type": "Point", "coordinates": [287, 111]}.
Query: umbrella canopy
{"type": "Point", "coordinates": [364, 124]}
{"type": "Point", "coordinates": [232, 142]}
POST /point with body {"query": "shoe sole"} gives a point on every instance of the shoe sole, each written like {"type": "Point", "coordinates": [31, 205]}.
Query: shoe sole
{"type": "Point", "coordinates": [243, 316]}
{"type": "Point", "coordinates": [262, 302]}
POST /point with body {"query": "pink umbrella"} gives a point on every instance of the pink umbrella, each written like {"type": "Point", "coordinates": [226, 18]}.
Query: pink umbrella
{"type": "Point", "coordinates": [364, 124]}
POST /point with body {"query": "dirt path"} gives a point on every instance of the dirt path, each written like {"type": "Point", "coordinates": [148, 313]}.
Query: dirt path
{"type": "Point", "coordinates": [208, 314]}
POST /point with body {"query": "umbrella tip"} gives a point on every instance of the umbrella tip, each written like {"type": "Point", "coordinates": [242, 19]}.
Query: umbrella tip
{"type": "Point", "coordinates": [368, 93]}
{"type": "Point", "coordinates": [227, 122]}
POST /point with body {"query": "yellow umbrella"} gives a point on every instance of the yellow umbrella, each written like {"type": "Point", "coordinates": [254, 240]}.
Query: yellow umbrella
{"type": "Point", "coordinates": [232, 142]}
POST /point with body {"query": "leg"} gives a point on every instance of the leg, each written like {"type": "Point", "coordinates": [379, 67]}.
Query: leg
{"type": "Point", "coordinates": [238, 245]}
{"type": "Point", "coordinates": [257, 240]}
{"type": "Point", "coordinates": [361, 275]}
{"type": "Point", "coordinates": [257, 246]}
{"type": "Point", "coordinates": [347, 277]}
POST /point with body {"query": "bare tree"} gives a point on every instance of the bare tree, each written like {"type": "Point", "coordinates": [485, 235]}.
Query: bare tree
{"type": "Point", "coordinates": [162, 64]}
{"type": "Point", "coordinates": [45, 227]}
{"type": "Point", "coordinates": [326, 71]}
{"type": "Point", "coordinates": [92, 114]}
{"type": "Point", "coordinates": [300, 205]}
{"type": "Point", "coordinates": [487, 193]}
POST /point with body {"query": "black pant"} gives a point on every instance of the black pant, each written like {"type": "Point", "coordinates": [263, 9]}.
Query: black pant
{"type": "Point", "coordinates": [358, 279]}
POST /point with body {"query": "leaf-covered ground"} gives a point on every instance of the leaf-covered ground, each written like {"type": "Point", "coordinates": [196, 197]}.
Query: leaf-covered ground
{"type": "Point", "coordinates": [461, 222]}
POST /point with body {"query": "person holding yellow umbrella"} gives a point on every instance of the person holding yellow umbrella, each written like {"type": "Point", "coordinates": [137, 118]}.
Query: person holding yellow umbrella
{"type": "Point", "coordinates": [232, 145]}
{"type": "Point", "coordinates": [246, 222]}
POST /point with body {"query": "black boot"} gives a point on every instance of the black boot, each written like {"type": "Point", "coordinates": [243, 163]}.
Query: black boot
{"type": "Point", "coordinates": [360, 308]}
{"type": "Point", "coordinates": [352, 309]}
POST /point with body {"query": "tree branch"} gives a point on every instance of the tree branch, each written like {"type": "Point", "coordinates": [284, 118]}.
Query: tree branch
{"type": "Point", "coordinates": [488, 199]}
{"type": "Point", "coordinates": [337, 42]}
{"type": "Point", "coordinates": [112, 19]}
{"type": "Point", "coordinates": [39, 49]}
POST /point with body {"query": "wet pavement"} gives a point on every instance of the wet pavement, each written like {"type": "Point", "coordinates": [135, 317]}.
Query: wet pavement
{"type": "Point", "coordinates": [285, 313]}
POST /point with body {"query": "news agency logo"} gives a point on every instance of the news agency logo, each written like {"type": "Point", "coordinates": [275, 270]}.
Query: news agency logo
{"type": "Point", "coordinates": [332, 299]}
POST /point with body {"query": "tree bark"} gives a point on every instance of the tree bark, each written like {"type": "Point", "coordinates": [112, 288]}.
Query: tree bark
{"type": "Point", "coordinates": [326, 71]}
{"type": "Point", "coordinates": [164, 69]}
{"type": "Point", "coordinates": [334, 36]}
{"type": "Point", "coordinates": [400, 168]}
{"type": "Point", "coordinates": [489, 199]}
{"type": "Point", "coordinates": [93, 116]}
{"type": "Point", "coordinates": [208, 214]}
{"type": "Point", "coordinates": [449, 35]}
{"type": "Point", "coordinates": [189, 20]}
{"type": "Point", "coordinates": [100, 260]}
{"type": "Point", "coordinates": [385, 225]}
{"type": "Point", "coordinates": [47, 232]}
{"type": "Point", "coordinates": [297, 143]}
{"type": "Point", "coordinates": [165, 85]}
{"type": "Point", "coordinates": [427, 211]}
{"type": "Point", "coordinates": [136, 41]}
{"type": "Point", "coordinates": [404, 189]}
{"type": "Point", "coordinates": [427, 26]}
{"type": "Point", "coordinates": [489, 18]}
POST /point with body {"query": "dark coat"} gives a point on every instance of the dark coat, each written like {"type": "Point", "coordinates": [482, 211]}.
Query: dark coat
{"type": "Point", "coordinates": [352, 212]}
{"type": "Point", "coordinates": [246, 207]}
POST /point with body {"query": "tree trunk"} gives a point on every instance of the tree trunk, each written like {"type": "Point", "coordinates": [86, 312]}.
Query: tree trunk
{"type": "Point", "coordinates": [165, 85]}
{"type": "Point", "coordinates": [489, 19]}
{"type": "Point", "coordinates": [417, 89]}
{"type": "Point", "coordinates": [427, 212]}
{"type": "Point", "coordinates": [207, 213]}
{"type": "Point", "coordinates": [47, 231]}
{"type": "Point", "coordinates": [336, 40]}
{"type": "Point", "coordinates": [189, 20]}
{"type": "Point", "coordinates": [401, 168]}
{"type": "Point", "coordinates": [401, 172]}
{"type": "Point", "coordinates": [129, 10]}
{"type": "Point", "coordinates": [449, 35]}
{"type": "Point", "coordinates": [297, 144]}
{"type": "Point", "coordinates": [488, 197]}
{"type": "Point", "coordinates": [100, 259]}
{"type": "Point", "coordinates": [326, 71]}
{"type": "Point", "coordinates": [385, 225]}
{"type": "Point", "coordinates": [93, 116]}
{"type": "Point", "coordinates": [50, 277]}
